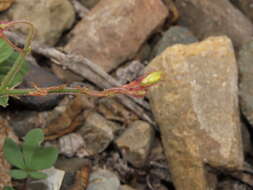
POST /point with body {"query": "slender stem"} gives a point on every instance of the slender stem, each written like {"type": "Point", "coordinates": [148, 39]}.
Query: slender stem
{"type": "Point", "coordinates": [8, 79]}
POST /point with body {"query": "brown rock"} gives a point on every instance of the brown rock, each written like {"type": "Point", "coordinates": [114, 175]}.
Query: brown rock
{"type": "Point", "coordinates": [114, 30]}
{"type": "Point", "coordinates": [196, 108]}
{"type": "Point", "coordinates": [207, 18]}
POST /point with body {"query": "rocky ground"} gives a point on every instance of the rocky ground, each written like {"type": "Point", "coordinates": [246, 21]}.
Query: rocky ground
{"type": "Point", "coordinates": [193, 130]}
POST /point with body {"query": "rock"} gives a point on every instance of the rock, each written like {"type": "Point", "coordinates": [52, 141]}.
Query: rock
{"type": "Point", "coordinates": [89, 3]}
{"type": "Point", "coordinates": [246, 6]}
{"type": "Point", "coordinates": [50, 18]}
{"type": "Point", "coordinates": [70, 113]}
{"type": "Point", "coordinates": [71, 165]}
{"type": "Point", "coordinates": [103, 179]}
{"type": "Point", "coordinates": [111, 109]}
{"type": "Point", "coordinates": [52, 182]}
{"type": "Point", "coordinates": [132, 148]}
{"type": "Point", "coordinates": [209, 18]}
{"type": "Point", "coordinates": [69, 144]}
{"type": "Point", "coordinates": [246, 80]}
{"type": "Point", "coordinates": [196, 108]}
{"type": "Point", "coordinates": [130, 72]}
{"type": "Point", "coordinates": [126, 187]}
{"type": "Point", "coordinates": [42, 78]}
{"type": "Point", "coordinates": [114, 30]}
{"type": "Point", "coordinates": [97, 133]}
{"type": "Point", "coordinates": [175, 35]}
{"type": "Point", "coordinates": [229, 184]}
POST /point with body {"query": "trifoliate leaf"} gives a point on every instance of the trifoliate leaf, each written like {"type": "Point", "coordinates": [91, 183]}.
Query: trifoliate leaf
{"type": "Point", "coordinates": [37, 175]}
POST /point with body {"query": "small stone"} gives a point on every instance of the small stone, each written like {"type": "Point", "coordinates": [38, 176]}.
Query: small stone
{"type": "Point", "coordinates": [196, 108]}
{"type": "Point", "coordinates": [71, 165]}
{"type": "Point", "coordinates": [215, 18]}
{"type": "Point", "coordinates": [89, 3]}
{"type": "Point", "coordinates": [50, 17]}
{"type": "Point", "coordinates": [41, 78]}
{"type": "Point", "coordinates": [97, 133]}
{"type": "Point", "coordinates": [114, 30]}
{"type": "Point", "coordinates": [103, 179]}
{"type": "Point", "coordinates": [69, 144]}
{"type": "Point", "coordinates": [135, 142]}
{"type": "Point", "coordinates": [175, 35]}
{"type": "Point", "coordinates": [126, 187]}
{"type": "Point", "coordinates": [52, 182]}
{"type": "Point", "coordinates": [246, 80]}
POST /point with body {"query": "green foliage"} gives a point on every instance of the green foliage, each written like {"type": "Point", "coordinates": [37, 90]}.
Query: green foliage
{"type": "Point", "coordinates": [8, 58]}
{"type": "Point", "coordinates": [29, 157]}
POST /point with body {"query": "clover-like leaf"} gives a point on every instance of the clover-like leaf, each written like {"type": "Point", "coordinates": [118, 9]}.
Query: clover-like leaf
{"type": "Point", "coordinates": [5, 50]}
{"type": "Point", "coordinates": [37, 175]}
{"type": "Point", "coordinates": [32, 140]}
{"type": "Point", "coordinates": [13, 153]}
{"type": "Point", "coordinates": [44, 158]}
{"type": "Point", "coordinates": [19, 174]}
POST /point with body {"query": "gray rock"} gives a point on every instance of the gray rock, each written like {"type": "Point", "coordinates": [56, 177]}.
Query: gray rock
{"type": "Point", "coordinates": [97, 133]}
{"type": "Point", "coordinates": [212, 18]}
{"type": "Point", "coordinates": [196, 108]}
{"type": "Point", "coordinates": [71, 165]}
{"type": "Point", "coordinates": [135, 142]}
{"type": "Point", "coordinates": [50, 18]}
{"type": "Point", "coordinates": [175, 35]}
{"type": "Point", "coordinates": [129, 72]}
{"type": "Point", "coordinates": [42, 78]}
{"type": "Point", "coordinates": [52, 182]}
{"type": "Point", "coordinates": [103, 179]}
{"type": "Point", "coordinates": [246, 80]}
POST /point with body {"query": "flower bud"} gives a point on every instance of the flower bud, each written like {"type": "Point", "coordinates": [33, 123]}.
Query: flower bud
{"type": "Point", "coordinates": [151, 78]}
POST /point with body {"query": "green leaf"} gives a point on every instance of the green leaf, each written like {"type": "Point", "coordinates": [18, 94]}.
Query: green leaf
{"type": "Point", "coordinates": [19, 174]}
{"type": "Point", "coordinates": [44, 158]}
{"type": "Point", "coordinates": [5, 50]}
{"type": "Point", "coordinates": [7, 59]}
{"type": "Point", "coordinates": [37, 175]}
{"type": "Point", "coordinates": [34, 137]}
{"type": "Point", "coordinates": [6, 66]}
{"type": "Point", "coordinates": [13, 154]}
{"type": "Point", "coordinates": [32, 140]}
{"type": "Point", "coordinates": [8, 188]}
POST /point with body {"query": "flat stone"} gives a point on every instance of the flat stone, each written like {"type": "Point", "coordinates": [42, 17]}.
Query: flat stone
{"type": "Point", "coordinates": [103, 179]}
{"type": "Point", "coordinates": [89, 3]}
{"type": "Point", "coordinates": [196, 107]}
{"type": "Point", "coordinates": [135, 142]}
{"type": "Point", "coordinates": [50, 17]}
{"type": "Point", "coordinates": [175, 35]}
{"type": "Point", "coordinates": [114, 30]}
{"type": "Point", "coordinates": [52, 182]}
{"type": "Point", "coordinates": [42, 78]}
{"type": "Point", "coordinates": [212, 18]}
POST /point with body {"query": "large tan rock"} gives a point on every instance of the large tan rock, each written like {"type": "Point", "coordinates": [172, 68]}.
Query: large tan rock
{"type": "Point", "coordinates": [196, 107]}
{"type": "Point", "coordinates": [114, 30]}
{"type": "Point", "coordinates": [215, 17]}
